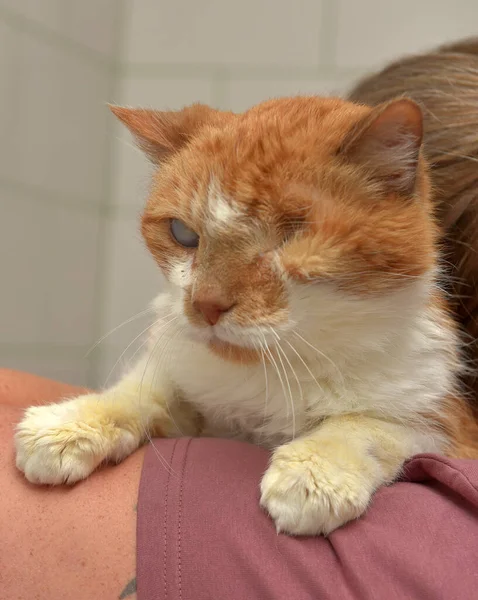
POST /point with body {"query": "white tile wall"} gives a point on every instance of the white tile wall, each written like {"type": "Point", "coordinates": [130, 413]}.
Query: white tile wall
{"type": "Point", "coordinates": [92, 23]}
{"type": "Point", "coordinates": [58, 121]}
{"type": "Point", "coordinates": [62, 365]}
{"type": "Point", "coordinates": [54, 82]}
{"type": "Point", "coordinates": [374, 31]}
{"type": "Point", "coordinates": [49, 13]}
{"type": "Point", "coordinates": [253, 32]}
{"type": "Point", "coordinates": [48, 266]}
{"type": "Point", "coordinates": [132, 171]}
{"type": "Point", "coordinates": [6, 76]}
{"type": "Point", "coordinates": [165, 93]}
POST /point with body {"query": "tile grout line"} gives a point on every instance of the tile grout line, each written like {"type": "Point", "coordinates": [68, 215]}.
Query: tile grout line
{"type": "Point", "coordinates": [48, 196]}
{"type": "Point", "coordinates": [85, 206]}
{"type": "Point", "coordinates": [82, 205]}
{"type": "Point", "coordinates": [43, 33]}
{"type": "Point", "coordinates": [104, 237]}
{"type": "Point", "coordinates": [46, 350]}
{"type": "Point", "coordinates": [220, 89]}
{"type": "Point", "coordinates": [13, 94]}
{"type": "Point", "coordinates": [328, 36]}
{"type": "Point", "coordinates": [208, 71]}
{"type": "Point", "coordinates": [52, 346]}
{"type": "Point", "coordinates": [327, 52]}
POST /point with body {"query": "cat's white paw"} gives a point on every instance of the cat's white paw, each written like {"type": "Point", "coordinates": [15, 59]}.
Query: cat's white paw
{"type": "Point", "coordinates": [64, 443]}
{"type": "Point", "coordinates": [309, 495]}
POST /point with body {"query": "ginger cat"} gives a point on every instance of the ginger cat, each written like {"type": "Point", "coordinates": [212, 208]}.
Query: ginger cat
{"type": "Point", "coordinates": [302, 308]}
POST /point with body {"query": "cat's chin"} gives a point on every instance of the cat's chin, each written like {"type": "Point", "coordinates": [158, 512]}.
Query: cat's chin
{"type": "Point", "coordinates": [232, 352]}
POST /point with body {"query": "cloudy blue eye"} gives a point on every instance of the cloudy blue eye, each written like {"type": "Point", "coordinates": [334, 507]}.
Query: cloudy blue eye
{"type": "Point", "coordinates": [183, 235]}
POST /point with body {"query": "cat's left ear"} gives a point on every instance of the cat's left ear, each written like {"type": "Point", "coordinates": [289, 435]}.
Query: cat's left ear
{"type": "Point", "coordinates": [162, 133]}
{"type": "Point", "coordinates": [387, 143]}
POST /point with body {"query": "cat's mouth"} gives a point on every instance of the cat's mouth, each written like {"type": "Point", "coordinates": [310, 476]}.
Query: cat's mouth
{"type": "Point", "coordinates": [233, 341]}
{"type": "Point", "coordinates": [244, 342]}
{"type": "Point", "coordinates": [234, 350]}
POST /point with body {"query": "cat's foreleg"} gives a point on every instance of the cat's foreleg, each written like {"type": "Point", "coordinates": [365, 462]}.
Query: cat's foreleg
{"type": "Point", "coordinates": [326, 478]}
{"type": "Point", "coordinates": [65, 442]}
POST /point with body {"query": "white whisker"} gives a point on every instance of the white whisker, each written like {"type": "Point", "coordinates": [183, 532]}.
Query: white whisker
{"type": "Point", "coordinates": [272, 359]}
{"type": "Point", "coordinates": [125, 351]}
{"type": "Point", "coordinates": [266, 401]}
{"type": "Point", "coordinates": [288, 398]}
{"type": "Point", "coordinates": [321, 354]}
{"type": "Point", "coordinates": [299, 387]}
{"type": "Point", "coordinates": [106, 335]}
{"type": "Point", "coordinates": [305, 365]}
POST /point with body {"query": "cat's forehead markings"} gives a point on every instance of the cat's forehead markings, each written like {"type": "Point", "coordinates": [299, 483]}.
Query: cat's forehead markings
{"type": "Point", "coordinates": [222, 212]}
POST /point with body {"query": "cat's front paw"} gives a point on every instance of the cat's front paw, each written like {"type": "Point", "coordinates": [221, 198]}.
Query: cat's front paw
{"type": "Point", "coordinates": [65, 442]}
{"type": "Point", "coordinates": [311, 494]}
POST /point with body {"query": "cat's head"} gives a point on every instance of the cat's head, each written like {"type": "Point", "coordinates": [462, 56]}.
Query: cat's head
{"type": "Point", "coordinates": [301, 216]}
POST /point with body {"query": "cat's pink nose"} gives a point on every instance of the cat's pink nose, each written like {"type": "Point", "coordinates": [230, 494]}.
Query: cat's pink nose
{"type": "Point", "coordinates": [212, 309]}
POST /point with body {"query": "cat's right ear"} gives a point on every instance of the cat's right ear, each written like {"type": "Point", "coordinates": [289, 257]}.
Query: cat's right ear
{"type": "Point", "coordinates": [387, 143]}
{"type": "Point", "coordinates": [161, 133]}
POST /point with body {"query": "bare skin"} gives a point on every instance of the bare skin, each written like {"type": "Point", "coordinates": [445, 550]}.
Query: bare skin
{"type": "Point", "coordinates": [74, 543]}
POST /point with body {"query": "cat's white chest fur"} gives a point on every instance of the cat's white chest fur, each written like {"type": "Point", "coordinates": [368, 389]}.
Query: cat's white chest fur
{"type": "Point", "coordinates": [248, 401]}
{"type": "Point", "coordinates": [400, 373]}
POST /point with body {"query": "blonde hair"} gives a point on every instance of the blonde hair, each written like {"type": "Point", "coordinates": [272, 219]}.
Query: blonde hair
{"type": "Point", "coordinates": [445, 83]}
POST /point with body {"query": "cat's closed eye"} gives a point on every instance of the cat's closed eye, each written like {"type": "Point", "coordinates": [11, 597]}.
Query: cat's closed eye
{"type": "Point", "coordinates": [183, 235]}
